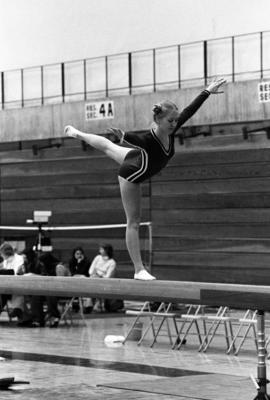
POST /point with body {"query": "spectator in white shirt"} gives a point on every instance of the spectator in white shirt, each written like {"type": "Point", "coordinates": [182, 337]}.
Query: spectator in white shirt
{"type": "Point", "coordinates": [15, 262]}
{"type": "Point", "coordinates": [103, 266]}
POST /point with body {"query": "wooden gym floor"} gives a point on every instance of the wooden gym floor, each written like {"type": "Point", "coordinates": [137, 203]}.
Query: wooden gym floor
{"type": "Point", "coordinates": [74, 363]}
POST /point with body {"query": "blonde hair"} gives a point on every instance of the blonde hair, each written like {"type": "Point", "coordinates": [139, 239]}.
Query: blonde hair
{"type": "Point", "coordinates": [160, 110]}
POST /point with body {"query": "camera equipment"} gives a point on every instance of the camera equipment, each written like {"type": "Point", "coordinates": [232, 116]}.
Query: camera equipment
{"type": "Point", "coordinates": [41, 218]}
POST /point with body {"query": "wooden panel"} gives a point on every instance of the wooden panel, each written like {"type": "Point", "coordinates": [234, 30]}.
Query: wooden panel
{"type": "Point", "coordinates": [214, 297]}
{"type": "Point", "coordinates": [234, 185]}
{"type": "Point", "coordinates": [19, 156]}
{"type": "Point", "coordinates": [237, 170]}
{"type": "Point", "coordinates": [206, 244]}
{"type": "Point", "coordinates": [64, 205]}
{"type": "Point", "coordinates": [57, 192]}
{"type": "Point", "coordinates": [213, 230]}
{"type": "Point", "coordinates": [71, 191]}
{"type": "Point", "coordinates": [228, 141]}
{"type": "Point", "coordinates": [212, 274]}
{"type": "Point", "coordinates": [67, 205]}
{"type": "Point", "coordinates": [71, 166]}
{"type": "Point", "coordinates": [60, 179]}
{"type": "Point", "coordinates": [215, 156]}
{"type": "Point", "coordinates": [212, 200]}
{"type": "Point", "coordinates": [226, 216]}
{"type": "Point", "coordinates": [218, 260]}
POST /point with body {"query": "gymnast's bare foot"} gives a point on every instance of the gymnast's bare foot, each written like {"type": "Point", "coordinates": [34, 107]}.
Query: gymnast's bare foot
{"type": "Point", "coordinates": [143, 275]}
{"type": "Point", "coordinates": [71, 131]}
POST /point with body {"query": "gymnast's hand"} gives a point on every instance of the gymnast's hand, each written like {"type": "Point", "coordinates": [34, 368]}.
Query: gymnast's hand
{"type": "Point", "coordinates": [215, 85]}
{"type": "Point", "coordinates": [118, 133]}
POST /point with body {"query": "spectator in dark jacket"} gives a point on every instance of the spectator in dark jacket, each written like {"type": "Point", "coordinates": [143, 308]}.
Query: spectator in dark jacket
{"type": "Point", "coordinates": [42, 264]}
{"type": "Point", "coordinates": [79, 264]}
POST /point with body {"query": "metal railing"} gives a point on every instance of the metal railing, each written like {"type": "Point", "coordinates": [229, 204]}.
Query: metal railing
{"type": "Point", "coordinates": [241, 57]}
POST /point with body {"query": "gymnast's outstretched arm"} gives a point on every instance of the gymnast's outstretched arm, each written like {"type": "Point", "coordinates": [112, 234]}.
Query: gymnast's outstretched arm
{"type": "Point", "coordinates": [198, 101]}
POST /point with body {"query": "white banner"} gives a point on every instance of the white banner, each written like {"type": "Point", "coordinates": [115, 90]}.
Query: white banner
{"type": "Point", "coordinates": [99, 110]}
{"type": "Point", "coordinates": [264, 92]}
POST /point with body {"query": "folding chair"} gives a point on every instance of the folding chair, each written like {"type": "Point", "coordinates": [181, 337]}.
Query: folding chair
{"type": "Point", "coordinates": [222, 317]}
{"type": "Point", "coordinates": [194, 314]}
{"type": "Point", "coordinates": [248, 321]}
{"type": "Point", "coordinates": [7, 310]}
{"type": "Point", "coordinates": [66, 310]}
{"type": "Point", "coordinates": [163, 313]}
{"type": "Point", "coordinates": [145, 311]}
{"type": "Point", "coordinates": [267, 341]}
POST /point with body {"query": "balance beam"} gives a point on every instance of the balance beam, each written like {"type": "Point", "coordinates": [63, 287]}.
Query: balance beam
{"type": "Point", "coordinates": [231, 295]}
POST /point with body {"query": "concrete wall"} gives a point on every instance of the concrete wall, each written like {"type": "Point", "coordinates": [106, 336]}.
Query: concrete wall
{"type": "Point", "coordinates": [238, 103]}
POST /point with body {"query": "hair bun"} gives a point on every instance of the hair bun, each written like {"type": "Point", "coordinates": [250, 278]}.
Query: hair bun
{"type": "Point", "coordinates": [157, 109]}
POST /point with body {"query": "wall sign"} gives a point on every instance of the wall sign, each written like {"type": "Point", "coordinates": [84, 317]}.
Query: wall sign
{"type": "Point", "coordinates": [99, 110]}
{"type": "Point", "coordinates": [264, 92]}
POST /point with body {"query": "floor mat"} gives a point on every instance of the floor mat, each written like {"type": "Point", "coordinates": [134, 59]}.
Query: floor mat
{"type": "Point", "coordinates": [206, 387]}
{"type": "Point", "coordinates": [98, 364]}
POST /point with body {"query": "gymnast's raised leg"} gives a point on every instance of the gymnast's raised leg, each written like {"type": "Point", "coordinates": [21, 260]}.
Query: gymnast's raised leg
{"type": "Point", "coordinates": [112, 150]}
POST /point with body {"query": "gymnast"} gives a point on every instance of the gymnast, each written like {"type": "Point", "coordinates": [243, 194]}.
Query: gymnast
{"type": "Point", "coordinates": [149, 153]}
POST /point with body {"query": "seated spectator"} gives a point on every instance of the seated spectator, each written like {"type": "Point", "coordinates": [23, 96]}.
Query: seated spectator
{"type": "Point", "coordinates": [12, 262]}
{"type": "Point", "coordinates": [30, 262]}
{"type": "Point", "coordinates": [43, 264]}
{"type": "Point", "coordinates": [79, 266]}
{"type": "Point", "coordinates": [31, 267]}
{"type": "Point", "coordinates": [48, 263]}
{"type": "Point", "coordinates": [103, 266]}
{"type": "Point", "coordinates": [62, 270]}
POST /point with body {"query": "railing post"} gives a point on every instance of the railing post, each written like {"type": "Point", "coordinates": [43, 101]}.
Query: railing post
{"type": "Point", "coordinates": [63, 81]}
{"type": "Point", "coordinates": [233, 71]}
{"type": "Point", "coordinates": [154, 70]}
{"type": "Point", "coordinates": [22, 89]}
{"type": "Point", "coordinates": [179, 65]}
{"type": "Point", "coordinates": [3, 90]}
{"type": "Point", "coordinates": [205, 70]}
{"type": "Point", "coordinates": [42, 84]}
{"type": "Point", "coordinates": [130, 72]}
{"type": "Point", "coordinates": [261, 55]}
{"type": "Point", "coordinates": [106, 78]}
{"type": "Point", "coordinates": [84, 80]}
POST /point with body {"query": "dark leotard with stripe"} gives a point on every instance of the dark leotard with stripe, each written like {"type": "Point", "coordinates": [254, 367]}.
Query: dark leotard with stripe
{"type": "Point", "coordinates": [148, 155]}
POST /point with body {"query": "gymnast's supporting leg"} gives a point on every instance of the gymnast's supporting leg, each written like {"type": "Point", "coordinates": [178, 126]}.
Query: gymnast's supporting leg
{"type": "Point", "coordinates": [131, 198]}
{"type": "Point", "coordinates": [112, 150]}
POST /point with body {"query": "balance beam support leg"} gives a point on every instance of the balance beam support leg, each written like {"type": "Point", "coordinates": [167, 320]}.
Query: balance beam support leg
{"type": "Point", "coordinates": [261, 370]}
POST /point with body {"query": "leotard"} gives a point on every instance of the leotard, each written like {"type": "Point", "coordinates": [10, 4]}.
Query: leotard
{"type": "Point", "coordinates": [148, 155]}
